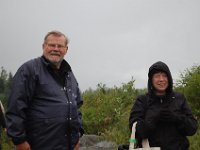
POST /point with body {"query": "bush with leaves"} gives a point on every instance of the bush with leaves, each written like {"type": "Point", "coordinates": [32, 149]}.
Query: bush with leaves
{"type": "Point", "coordinates": [189, 84]}
{"type": "Point", "coordinates": [106, 111]}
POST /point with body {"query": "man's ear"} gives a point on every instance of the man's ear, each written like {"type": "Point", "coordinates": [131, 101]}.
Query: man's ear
{"type": "Point", "coordinates": [43, 45]}
{"type": "Point", "coordinates": [66, 49]}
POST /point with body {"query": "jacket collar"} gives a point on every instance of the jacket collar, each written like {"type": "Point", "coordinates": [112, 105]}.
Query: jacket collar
{"type": "Point", "coordinates": [65, 67]}
{"type": "Point", "coordinates": [165, 98]}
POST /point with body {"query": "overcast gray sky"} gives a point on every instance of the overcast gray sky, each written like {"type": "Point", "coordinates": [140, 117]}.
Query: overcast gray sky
{"type": "Point", "coordinates": [110, 40]}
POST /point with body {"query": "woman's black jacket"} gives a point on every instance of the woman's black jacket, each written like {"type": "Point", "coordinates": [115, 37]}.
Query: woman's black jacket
{"type": "Point", "coordinates": [169, 134]}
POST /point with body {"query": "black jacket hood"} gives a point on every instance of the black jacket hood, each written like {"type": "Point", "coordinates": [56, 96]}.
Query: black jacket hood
{"type": "Point", "coordinates": [156, 67]}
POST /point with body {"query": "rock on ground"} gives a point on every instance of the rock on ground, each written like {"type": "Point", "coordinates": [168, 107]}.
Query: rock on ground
{"type": "Point", "coordinates": [94, 142]}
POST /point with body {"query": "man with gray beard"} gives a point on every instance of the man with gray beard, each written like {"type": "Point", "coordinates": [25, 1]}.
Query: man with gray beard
{"type": "Point", "coordinates": [43, 106]}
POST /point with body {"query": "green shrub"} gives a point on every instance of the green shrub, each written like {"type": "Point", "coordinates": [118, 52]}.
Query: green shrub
{"type": "Point", "coordinates": [106, 111]}
{"type": "Point", "coordinates": [189, 84]}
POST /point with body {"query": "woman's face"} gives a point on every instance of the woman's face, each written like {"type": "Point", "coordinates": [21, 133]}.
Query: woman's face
{"type": "Point", "coordinates": [160, 83]}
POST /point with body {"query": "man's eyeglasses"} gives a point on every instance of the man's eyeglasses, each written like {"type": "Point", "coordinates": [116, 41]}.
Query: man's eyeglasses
{"type": "Point", "coordinates": [56, 46]}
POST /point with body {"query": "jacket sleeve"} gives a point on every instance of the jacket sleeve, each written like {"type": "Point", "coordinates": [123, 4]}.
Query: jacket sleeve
{"type": "Point", "coordinates": [80, 103]}
{"type": "Point", "coordinates": [19, 99]}
{"type": "Point", "coordinates": [188, 124]}
{"type": "Point", "coordinates": [138, 114]}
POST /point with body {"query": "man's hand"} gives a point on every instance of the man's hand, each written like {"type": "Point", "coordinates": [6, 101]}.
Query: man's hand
{"type": "Point", "coordinates": [77, 146]}
{"type": "Point", "coordinates": [23, 146]}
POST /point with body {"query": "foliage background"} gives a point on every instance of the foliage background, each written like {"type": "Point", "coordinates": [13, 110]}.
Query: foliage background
{"type": "Point", "coordinates": [106, 110]}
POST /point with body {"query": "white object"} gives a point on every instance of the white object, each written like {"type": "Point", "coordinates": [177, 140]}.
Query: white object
{"type": "Point", "coordinates": [145, 142]}
{"type": "Point", "coordinates": [2, 108]}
